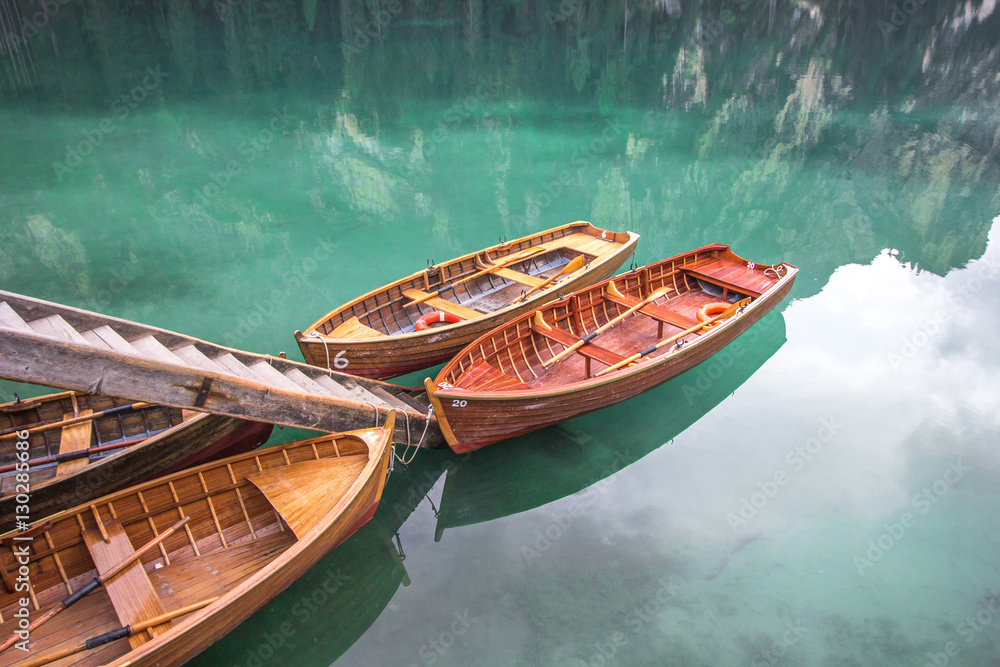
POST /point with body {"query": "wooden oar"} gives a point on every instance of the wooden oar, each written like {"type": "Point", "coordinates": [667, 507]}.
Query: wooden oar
{"type": "Point", "coordinates": [610, 323]}
{"type": "Point", "coordinates": [71, 456]}
{"type": "Point", "coordinates": [113, 635]}
{"type": "Point", "coordinates": [97, 582]}
{"type": "Point", "coordinates": [574, 265]}
{"type": "Point", "coordinates": [516, 257]}
{"type": "Point", "coordinates": [729, 312]}
{"type": "Point", "coordinates": [13, 430]}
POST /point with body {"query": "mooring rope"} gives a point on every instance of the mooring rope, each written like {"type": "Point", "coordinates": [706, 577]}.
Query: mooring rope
{"type": "Point", "coordinates": [407, 457]}
{"type": "Point", "coordinates": [315, 334]}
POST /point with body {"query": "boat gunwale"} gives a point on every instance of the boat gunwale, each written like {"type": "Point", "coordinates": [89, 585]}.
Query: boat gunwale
{"type": "Point", "coordinates": [453, 392]}
{"type": "Point", "coordinates": [600, 260]}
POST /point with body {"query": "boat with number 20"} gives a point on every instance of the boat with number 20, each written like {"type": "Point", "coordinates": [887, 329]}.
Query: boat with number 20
{"type": "Point", "coordinates": [602, 345]}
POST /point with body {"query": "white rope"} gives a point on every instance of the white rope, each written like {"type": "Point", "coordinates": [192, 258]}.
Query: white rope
{"type": "Point", "coordinates": [407, 458]}
{"type": "Point", "coordinates": [315, 334]}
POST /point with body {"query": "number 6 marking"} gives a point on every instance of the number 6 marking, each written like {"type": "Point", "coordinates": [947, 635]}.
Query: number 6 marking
{"type": "Point", "coordinates": [458, 404]}
{"type": "Point", "coordinates": [338, 362]}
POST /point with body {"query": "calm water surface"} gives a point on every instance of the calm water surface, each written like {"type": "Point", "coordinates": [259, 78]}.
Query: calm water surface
{"type": "Point", "coordinates": [823, 492]}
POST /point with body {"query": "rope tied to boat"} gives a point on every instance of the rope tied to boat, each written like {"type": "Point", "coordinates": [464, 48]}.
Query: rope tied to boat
{"type": "Point", "coordinates": [776, 270]}
{"type": "Point", "coordinates": [407, 457]}
{"type": "Point", "coordinates": [326, 348]}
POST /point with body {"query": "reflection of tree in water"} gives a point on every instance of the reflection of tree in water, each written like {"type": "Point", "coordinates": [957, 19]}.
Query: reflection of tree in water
{"type": "Point", "coordinates": [849, 138]}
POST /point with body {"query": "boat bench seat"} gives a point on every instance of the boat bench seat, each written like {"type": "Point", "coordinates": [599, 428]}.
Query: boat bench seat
{"type": "Point", "coordinates": [131, 592]}
{"type": "Point", "coordinates": [728, 275]}
{"type": "Point", "coordinates": [354, 329]}
{"type": "Point", "coordinates": [587, 350]}
{"type": "Point", "coordinates": [658, 313]}
{"type": "Point", "coordinates": [443, 305]}
{"type": "Point", "coordinates": [517, 277]}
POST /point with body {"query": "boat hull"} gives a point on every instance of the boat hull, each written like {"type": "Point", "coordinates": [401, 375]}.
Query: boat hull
{"type": "Point", "coordinates": [471, 420]}
{"type": "Point", "coordinates": [391, 356]}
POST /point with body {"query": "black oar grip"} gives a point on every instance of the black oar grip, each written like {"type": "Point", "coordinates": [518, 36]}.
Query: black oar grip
{"type": "Point", "coordinates": [648, 350]}
{"type": "Point", "coordinates": [87, 588]}
{"type": "Point", "coordinates": [445, 288]}
{"type": "Point", "coordinates": [120, 408]}
{"type": "Point", "coordinates": [589, 337]}
{"type": "Point", "coordinates": [107, 637]}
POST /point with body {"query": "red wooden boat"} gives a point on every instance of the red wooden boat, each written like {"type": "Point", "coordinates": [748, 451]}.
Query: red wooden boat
{"type": "Point", "coordinates": [602, 345]}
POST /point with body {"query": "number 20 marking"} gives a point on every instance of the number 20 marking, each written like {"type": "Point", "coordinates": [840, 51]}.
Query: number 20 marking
{"type": "Point", "coordinates": [456, 403]}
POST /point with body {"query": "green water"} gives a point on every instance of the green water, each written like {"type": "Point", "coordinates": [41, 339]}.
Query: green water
{"type": "Point", "coordinates": [824, 492]}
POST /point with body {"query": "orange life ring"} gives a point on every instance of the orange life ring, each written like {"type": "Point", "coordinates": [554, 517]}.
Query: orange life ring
{"type": "Point", "coordinates": [427, 320]}
{"type": "Point", "coordinates": [710, 310]}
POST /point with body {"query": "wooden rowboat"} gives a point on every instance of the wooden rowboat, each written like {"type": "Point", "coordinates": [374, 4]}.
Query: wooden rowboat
{"type": "Point", "coordinates": [81, 446]}
{"type": "Point", "coordinates": [520, 377]}
{"type": "Point", "coordinates": [214, 544]}
{"type": "Point", "coordinates": [377, 336]}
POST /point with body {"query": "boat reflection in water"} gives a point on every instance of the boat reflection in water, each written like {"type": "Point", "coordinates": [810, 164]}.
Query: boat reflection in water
{"type": "Point", "coordinates": [547, 465]}
{"type": "Point", "coordinates": [319, 617]}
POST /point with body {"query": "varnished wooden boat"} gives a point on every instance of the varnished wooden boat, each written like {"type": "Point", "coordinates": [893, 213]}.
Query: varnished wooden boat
{"type": "Point", "coordinates": [376, 334]}
{"type": "Point", "coordinates": [81, 446]}
{"type": "Point", "coordinates": [255, 522]}
{"type": "Point", "coordinates": [510, 382]}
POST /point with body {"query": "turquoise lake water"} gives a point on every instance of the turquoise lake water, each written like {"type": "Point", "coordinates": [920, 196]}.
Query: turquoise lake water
{"type": "Point", "coordinates": [823, 492]}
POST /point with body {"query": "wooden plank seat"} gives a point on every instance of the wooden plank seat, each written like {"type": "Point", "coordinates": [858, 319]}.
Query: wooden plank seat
{"type": "Point", "coordinates": [443, 305]}
{"type": "Point", "coordinates": [353, 329]}
{"type": "Point", "coordinates": [131, 592]}
{"type": "Point", "coordinates": [658, 313]}
{"type": "Point", "coordinates": [729, 275]}
{"type": "Point", "coordinates": [517, 277]}
{"type": "Point", "coordinates": [74, 438]}
{"type": "Point", "coordinates": [587, 350]}
{"type": "Point", "coordinates": [483, 376]}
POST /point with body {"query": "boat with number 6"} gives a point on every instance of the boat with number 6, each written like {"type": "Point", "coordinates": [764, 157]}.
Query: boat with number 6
{"type": "Point", "coordinates": [425, 318]}
{"type": "Point", "coordinates": [154, 574]}
{"type": "Point", "coordinates": [602, 345]}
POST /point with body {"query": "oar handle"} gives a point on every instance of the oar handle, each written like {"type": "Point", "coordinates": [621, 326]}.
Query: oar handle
{"type": "Point", "coordinates": [114, 635]}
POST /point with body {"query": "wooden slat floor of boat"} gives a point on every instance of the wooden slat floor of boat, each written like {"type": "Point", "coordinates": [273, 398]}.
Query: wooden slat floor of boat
{"type": "Point", "coordinates": [74, 438]}
{"type": "Point", "coordinates": [353, 329]}
{"type": "Point", "coordinates": [585, 243]}
{"type": "Point", "coordinates": [91, 616]}
{"type": "Point", "coordinates": [484, 376]}
{"type": "Point", "coordinates": [733, 275]}
{"type": "Point", "coordinates": [130, 591]}
{"type": "Point", "coordinates": [195, 579]}
{"type": "Point", "coordinates": [304, 493]}
{"type": "Point", "coordinates": [443, 305]}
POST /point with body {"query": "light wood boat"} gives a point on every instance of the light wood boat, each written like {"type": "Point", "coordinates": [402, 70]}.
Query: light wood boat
{"type": "Point", "coordinates": [520, 377]}
{"type": "Point", "coordinates": [376, 334]}
{"type": "Point", "coordinates": [255, 522]}
{"type": "Point", "coordinates": [81, 446]}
